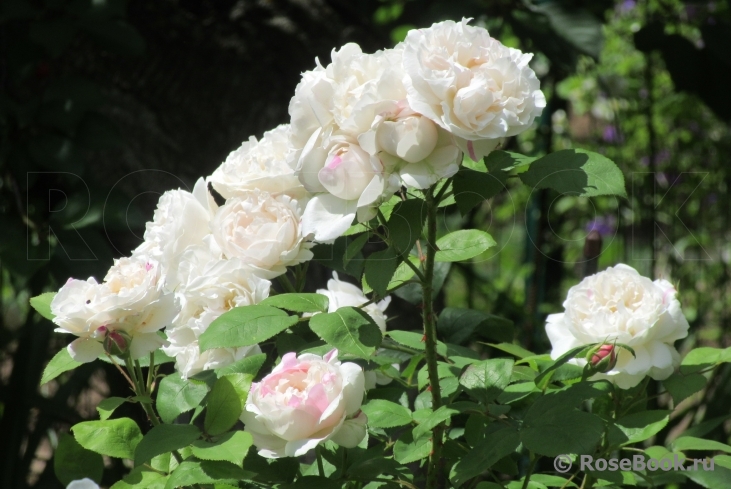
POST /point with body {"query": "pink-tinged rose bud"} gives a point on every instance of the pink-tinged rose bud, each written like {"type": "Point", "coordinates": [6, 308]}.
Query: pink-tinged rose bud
{"type": "Point", "coordinates": [305, 401]}
{"type": "Point", "coordinates": [603, 359]}
{"type": "Point", "coordinates": [117, 343]}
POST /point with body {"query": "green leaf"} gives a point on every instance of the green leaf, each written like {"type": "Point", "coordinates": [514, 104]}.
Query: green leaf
{"type": "Point", "coordinates": [165, 438]}
{"type": "Point", "coordinates": [471, 188]}
{"type": "Point", "coordinates": [142, 478]}
{"type": "Point", "coordinates": [484, 455]}
{"type": "Point", "coordinates": [486, 380]}
{"type": "Point", "coordinates": [403, 272]}
{"type": "Point", "coordinates": [177, 396]}
{"type": "Point", "coordinates": [576, 172]}
{"type": "Point", "coordinates": [703, 358]}
{"type": "Point", "coordinates": [107, 406]}
{"type": "Point", "coordinates": [407, 450]}
{"type": "Point", "coordinates": [231, 447]}
{"type": "Point", "coordinates": [386, 414]}
{"type": "Point", "coordinates": [456, 325]}
{"type": "Point", "coordinates": [515, 350]}
{"type": "Point", "coordinates": [348, 329]}
{"type": "Point", "coordinates": [640, 426]}
{"type": "Point", "coordinates": [552, 426]}
{"type": "Point", "coordinates": [682, 386]}
{"type": "Point", "coordinates": [355, 247]}
{"type": "Point", "coordinates": [60, 363]}
{"type": "Point", "coordinates": [72, 462]}
{"type": "Point", "coordinates": [544, 378]}
{"type": "Point", "coordinates": [226, 402]}
{"type": "Point", "coordinates": [437, 417]}
{"type": "Point", "coordinates": [683, 443]}
{"type": "Point", "coordinates": [245, 326]}
{"type": "Point", "coordinates": [42, 304]}
{"type": "Point", "coordinates": [501, 162]}
{"type": "Point", "coordinates": [113, 437]}
{"type": "Point", "coordinates": [379, 268]}
{"type": "Point", "coordinates": [247, 365]}
{"type": "Point", "coordinates": [582, 29]}
{"type": "Point", "coordinates": [191, 472]}
{"type": "Point", "coordinates": [299, 302]}
{"type": "Point", "coordinates": [405, 225]}
{"type": "Point", "coordinates": [313, 482]}
{"type": "Point", "coordinates": [463, 245]}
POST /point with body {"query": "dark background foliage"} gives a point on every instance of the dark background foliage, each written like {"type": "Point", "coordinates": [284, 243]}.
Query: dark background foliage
{"type": "Point", "coordinates": [105, 104]}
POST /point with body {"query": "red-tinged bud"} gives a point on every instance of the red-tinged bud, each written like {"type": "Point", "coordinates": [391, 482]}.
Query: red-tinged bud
{"type": "Point", "coordinates": [117, 343]}
{"type": "Point", "coordinates": [603, 358]}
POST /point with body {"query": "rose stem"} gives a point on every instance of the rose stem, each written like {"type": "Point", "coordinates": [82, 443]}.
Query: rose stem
{"type": "Point", "coordinates": [433, 479]}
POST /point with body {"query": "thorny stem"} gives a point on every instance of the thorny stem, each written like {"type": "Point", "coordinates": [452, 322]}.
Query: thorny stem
{"type": "Point", "coordinates": [320, 467]}
{"type": "Point", "coordinates": [433, 479]}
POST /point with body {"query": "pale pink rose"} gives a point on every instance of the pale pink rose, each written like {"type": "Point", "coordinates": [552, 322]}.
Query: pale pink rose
{"type": "Point", "coordinates": [305, 401]}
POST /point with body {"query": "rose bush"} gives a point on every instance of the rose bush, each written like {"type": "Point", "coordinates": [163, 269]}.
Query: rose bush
{"type": "Point", "coordinates": [274, 386]}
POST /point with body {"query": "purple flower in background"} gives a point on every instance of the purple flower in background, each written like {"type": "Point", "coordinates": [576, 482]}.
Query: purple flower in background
{"type": "Point", "coordinates": [627, 6]}
{"type": "Point", "coordinates": [644, 161]}
{"type": "Point", "coordinates": [691, 11]}
{"type": "Point", "coordinates": [610, 134]}
{"type": "Point", "coordinates": [604, 225]}
{"type": "Point", "coordinates": [712, 199]}
{"type": "Point", "coordinates": [662, 156]}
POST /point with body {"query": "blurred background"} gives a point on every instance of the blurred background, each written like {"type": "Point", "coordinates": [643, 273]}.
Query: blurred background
{"type": "Point", "coordinates": [105, 104]}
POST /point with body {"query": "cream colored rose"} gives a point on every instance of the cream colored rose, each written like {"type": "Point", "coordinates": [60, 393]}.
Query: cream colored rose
{"type": "Point", "coordinates": [469, 83]}
{"type": "Point", "coordinates": [262, 231]}
{"type": "Point", "coordinates": [619, 305]}
{"type": "Point", "coordinates": [305, 401]}
{"type": "Point", "coordinates": [130, 300]}
{"type": "Point", "coordinates": [259, 165]}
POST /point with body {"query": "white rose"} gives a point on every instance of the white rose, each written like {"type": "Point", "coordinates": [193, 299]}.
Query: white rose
{"type": "Point", "coordinates": [305, 401]}
{"type": "Point", "coordinates": [356, 140]}
{"type": "Point", "coordinates": [259, 165]}
{"type": "Point", "coordinates": [263, 231]}
{"type": "Point", "coordinates": [184, 347]}
{"type": "Point", "coordinates": [130, 300]}
{"type": "Point", "coordinates": [85, 483]}
{"type": "Point", "coordinates": [619, 305]}
{"type": "Point", "coordinates": [210, 285]}
{"type": "Point", "coordinates": [469, 83]}
{"type": "Point", "coordinates": [180, 220]}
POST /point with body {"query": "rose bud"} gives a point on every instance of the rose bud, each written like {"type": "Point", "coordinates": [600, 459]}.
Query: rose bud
{"type": "Point", "coordinates": [603, 358]}
{"type": "Point", "coordinates": [117, 343]}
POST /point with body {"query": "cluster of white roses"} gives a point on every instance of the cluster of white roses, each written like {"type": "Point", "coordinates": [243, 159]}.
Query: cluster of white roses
{"type": "Point", "coordinates": [367, 124]}
{"type": "Point", "coordinates": [361, 128]}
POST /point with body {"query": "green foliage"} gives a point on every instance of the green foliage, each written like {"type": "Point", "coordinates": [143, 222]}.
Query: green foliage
{"type": "Point", "coordinates": [379, 268]}
{"type": "Point", "coordinates": [226, 402]}
{"type": "Point", "coordinates": [386, 414]}
{"type": "Point", "coordinates": [60, 363]}
{"type": "Point", "coordinates": [112, 437]}
{"type": "Point", "coordinates": [245, 326]}
{"type": "Point", "coordinates": [177, 396]}
{"type": "Point", "coordinates": [348, 329]}
{"type": "Point", "coordinates": [72, 462]}
{"type": "Point", "coordinates": [42, 304]}
{"type": "Point", "coordinates": [485, 454]}
{"type": "Point", "coordinates": [165, 438]}
{"type": "Point", "coordinates": [463, 245]}
{"type": "Point", "coordinates": [191, 472]}
{"type": "Point", "coordinates": [576, 172]}
{"type": "Point", "coordinates": [486, 380]}
{"type": "Point", "coordinates": [230, 447]}
{"type": "Point", "coordinates": [107, 406]}
{"type": "Point", "coordinates": [298, 302]}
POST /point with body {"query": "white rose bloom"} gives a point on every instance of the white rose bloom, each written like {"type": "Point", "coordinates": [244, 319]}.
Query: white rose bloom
{"type": "Point", "coordinates": [180, 220]}
{"type": "Point", "coordinates": [305, 401]}
{"type": "Point", "coordinates": [470, 84]}
{"type": "Point", "coordinates": [619, 305]}
{"type": "Point", "coordinates": [262, 231]}
{"type": "Point", "coordinates": [209, 286]}
{"type": "Point", "coordinates": [356, 140]}
{"type": "Point", "coordinates": [85, 483]}
{"type": "Point", "coordinates": [259, 165]}
{"type": "Point", "coordinates": [130, 300]}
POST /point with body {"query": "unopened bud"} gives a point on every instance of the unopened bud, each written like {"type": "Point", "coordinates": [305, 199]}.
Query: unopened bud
{"type": "Point", "coordinates": [117, 343]}
{"type": "Point", "coordinates": [602, 358]}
